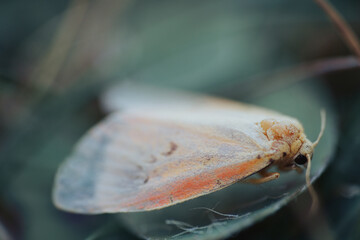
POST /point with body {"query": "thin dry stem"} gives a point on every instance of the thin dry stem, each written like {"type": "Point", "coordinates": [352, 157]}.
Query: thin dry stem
{"type": "Point", "coordinates": [345, 30]}
{"type": "Point", "coordinates": [273, 81]}
{"type": "Point", "coordinates": [50, 65]}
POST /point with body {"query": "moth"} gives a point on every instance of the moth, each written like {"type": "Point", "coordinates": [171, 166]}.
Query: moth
{"type": "Point", "coordinates": [158, 149]}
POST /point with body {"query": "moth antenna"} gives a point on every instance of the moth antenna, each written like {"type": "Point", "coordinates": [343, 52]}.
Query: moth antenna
{"type": "Point", "coordinates": [313, 194]}
{"type": "Point", "coordinates": [323, 123]}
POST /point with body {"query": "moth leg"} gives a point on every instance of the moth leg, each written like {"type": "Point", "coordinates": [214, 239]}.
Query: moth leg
{"type": "Point", "coordinates": [265, 177]}
{"type": "Point", "coordinates": [299, 170]}
{"type": "Point", "coordinates": [289, 168]}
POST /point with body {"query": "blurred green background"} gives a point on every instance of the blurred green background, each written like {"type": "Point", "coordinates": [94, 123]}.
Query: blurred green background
{"type": "Point", "coordinates": [56, 58]}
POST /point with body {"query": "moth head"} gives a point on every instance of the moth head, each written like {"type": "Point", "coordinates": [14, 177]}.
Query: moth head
{"type": "Point", "coordinates": [305, 154]}
{"type": "Point", "coordinates": [307, 148]}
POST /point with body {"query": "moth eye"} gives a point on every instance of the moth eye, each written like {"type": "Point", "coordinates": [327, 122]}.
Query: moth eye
{"type": "Point", "coordinates": [300, 160]}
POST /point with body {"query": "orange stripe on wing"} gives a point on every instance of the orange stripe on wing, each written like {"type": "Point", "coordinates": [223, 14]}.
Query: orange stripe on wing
{"type": "Point", "coordinates": [210, 181]}
{"type": "Point", "coordinates": [194, 186]}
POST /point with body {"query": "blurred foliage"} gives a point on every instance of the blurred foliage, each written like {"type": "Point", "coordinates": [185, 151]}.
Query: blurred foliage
{"type": "Point", "coordinates": [57, 57]}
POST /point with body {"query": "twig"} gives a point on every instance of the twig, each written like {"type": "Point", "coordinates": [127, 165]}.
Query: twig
{"type": "Point", "coordinates": [47, 70]}
{"type": "Point", "coordinates": [281, 78]}
{"type": "Point", "coordinates": [345, 30]}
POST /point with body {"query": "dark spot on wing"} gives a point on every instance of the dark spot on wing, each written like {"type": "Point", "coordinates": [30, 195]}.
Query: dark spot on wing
{"type": "Point", "coordinates": [173, 147]}
{"type": "Point", "coordinates": [206, 159]}
{"type": "Point", "coordinates": [271, 160]}
{"type": "Point", "coordinates": [152, 159]}
{"type": "Point", "coordinates": [146, 180]}
{"type": "Point", "coordinates": [171, 198]}
{"type": "Point", "coordinates": [155, 172]}
{"type": "Point", "coordinates": [284, 154]}
{"type": "Point", "coordinates": [258, 156]}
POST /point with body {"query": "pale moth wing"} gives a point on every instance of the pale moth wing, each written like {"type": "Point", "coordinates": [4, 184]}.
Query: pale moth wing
{"type": "Point", "coordinates": [147, 157]}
